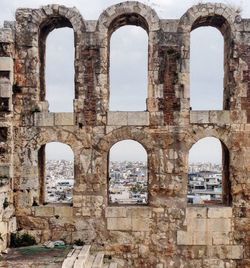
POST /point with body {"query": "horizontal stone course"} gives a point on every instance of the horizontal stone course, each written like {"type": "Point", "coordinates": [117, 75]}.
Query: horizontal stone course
{"type": "Point", "coordinates": [217, 117]}
{"type": "Point", "coordinates": [45, 119]}
{"type": "Point", "coordinates": [61, 210]}
{"type": "Point", "coordinates": [128, 118]}
{"type": "Point", "coordinates": [64, 119]}
{"type": "Point", "coordinates": [220, 212]}
{"type": "Point", "coordinates": [44, 211]}
{"type": "Point", "coordinates": [196, 212]}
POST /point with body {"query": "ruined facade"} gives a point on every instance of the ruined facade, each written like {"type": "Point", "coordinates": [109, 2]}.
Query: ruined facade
{"type": "Point", "coordinates": [167, 232]}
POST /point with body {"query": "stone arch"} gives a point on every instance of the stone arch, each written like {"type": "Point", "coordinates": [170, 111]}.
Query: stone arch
{"type": "Point", "coordinates": [197, 134]}
{"type": "Point", "coordinates": [41, 165]}
{"type": "Point", "coordinates": [124, 133]}
{"type": "Point", "coordinates": [222, 136]}
{"type": "Point", "coordinates": [102, 148]}
{"type": "Point", "coordinates": [39, 23]}
{"type": "Point", "coordinates": [61, 136]}
{"type": "Point", "coordinates": [126, 13]}
{"type": "Point", "coordinates": [220, 17]}
{"type": "Point", "coordinates": [58, 17]}
{"type": "Point", "coordinates": [132, 197]}
{"type": "Point", "coordinates": [55, 140]}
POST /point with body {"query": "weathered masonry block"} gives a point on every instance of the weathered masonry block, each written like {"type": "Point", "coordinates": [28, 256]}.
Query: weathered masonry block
{"type": "Point", "coordinates": [166, 232]}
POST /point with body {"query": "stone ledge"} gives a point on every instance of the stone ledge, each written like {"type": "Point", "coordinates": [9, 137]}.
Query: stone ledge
{"type": "Point", "coordinates": [139, 212]}
{"type": "Point", "coordinates": [61, 210]}
{"type": "Point", "coordinates": [64, 119]}
{"type": "Point", "coordinates": [138, 118]}
{"type": "Point", "coordinates": [44, 211]}
{"type": "Point", "coordinates": [53, 119]}
{"type": "Point", "coordinates": [128, 118]}
{"type": "Point", "coordinates": [196, 212]}
{"type": "Point", "coordinates": [64, 211]}
{"type": "Point", "coordinates": [217, 117]}
{"type": "Point", "coordinates": [219, 212]}
{"type": "Point", "coordinates": [43, 119]}
{"type": "Point", "coordinates": [204, 212]}
{"type": "Point", "coordinates": [128, 212]}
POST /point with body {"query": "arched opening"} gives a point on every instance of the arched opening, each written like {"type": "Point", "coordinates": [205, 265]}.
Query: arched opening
{"type": "Point", "coordinates": [59, 73]}
{"type": "Point", "coordinates": [56, 50]}
{"type": "Point", "coordinates": [128, 173]}
{"type": "Point", "coordinates": [206, 69]}
{"type": "Point", "coordinates": [208, 177]}
{"type": "Point", "coordinates": [56, 173]}
{"type": "Point", "coordinates": [128, 69]}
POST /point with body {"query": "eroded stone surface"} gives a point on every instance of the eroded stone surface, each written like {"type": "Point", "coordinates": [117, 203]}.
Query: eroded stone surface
{"type": "Point", "coordinates": [165, 233]}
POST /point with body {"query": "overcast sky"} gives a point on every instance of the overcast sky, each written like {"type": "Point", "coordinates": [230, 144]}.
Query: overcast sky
{"type": "Point", "coordinates": [128, 66]}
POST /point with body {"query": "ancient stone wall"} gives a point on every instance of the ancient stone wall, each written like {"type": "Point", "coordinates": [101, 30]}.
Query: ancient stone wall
{"type": "Point", "coordinates": [7, 212]}
{"type": "Point", "coordinates": [166, 232]}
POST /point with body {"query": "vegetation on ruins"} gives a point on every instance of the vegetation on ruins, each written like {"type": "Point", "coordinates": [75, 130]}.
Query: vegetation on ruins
{"type": "Point", "coordinates": [79, 242]}
{"type": "Point", "coordinates": [21, 240]}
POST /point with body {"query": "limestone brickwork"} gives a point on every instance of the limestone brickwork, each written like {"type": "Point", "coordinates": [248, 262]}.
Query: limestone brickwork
{"type": "Point", "coordinates": [166, 232]}
{"type": "Point", "coordinates": [7, 212]}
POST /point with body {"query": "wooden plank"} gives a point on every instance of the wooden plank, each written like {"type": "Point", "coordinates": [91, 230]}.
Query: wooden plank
{"type": "Point", "coordinates": [82, 257]}
{"type": "Point", "coordinates": [98, 262]}
{"type": "Point", "coordinates": [69, 261]}
{"type": "Point", "coordinates": [89, 262]}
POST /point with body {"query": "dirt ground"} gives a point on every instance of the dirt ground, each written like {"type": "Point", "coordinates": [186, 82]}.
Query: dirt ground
{"type": "Point", "coordinates": [34, 256]}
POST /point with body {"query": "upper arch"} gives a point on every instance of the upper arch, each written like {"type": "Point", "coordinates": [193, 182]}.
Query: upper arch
{"type": "Point", "coordinates": [45, 136]}
{"type": "Point", "coordinates": [126, 133]}
{"type": "Point", "coordinates": [194, 135]}
{"type": "Point", "coordinates": [56, 16]}
{"type": "Point", "coordinates": [216, 15]}
{"type": "Point", "coordinates": [128, 13]}
{"type": "Point", "coordinates": [38, 24]}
